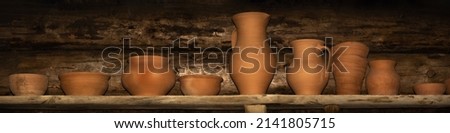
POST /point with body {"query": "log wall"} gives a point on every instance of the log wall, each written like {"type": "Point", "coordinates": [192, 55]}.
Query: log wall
{"type": "Point", "coordinates": [51, 37]}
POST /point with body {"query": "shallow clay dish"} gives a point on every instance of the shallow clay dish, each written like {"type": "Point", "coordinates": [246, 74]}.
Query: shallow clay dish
{"type": "Point", "coordinates": [200, 84]}
{"type": "Point", "coordinates": [429, 89]}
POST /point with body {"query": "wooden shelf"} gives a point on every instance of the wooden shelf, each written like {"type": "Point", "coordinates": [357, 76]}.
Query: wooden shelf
{"type": "Point", "coordinates": [224, 102]}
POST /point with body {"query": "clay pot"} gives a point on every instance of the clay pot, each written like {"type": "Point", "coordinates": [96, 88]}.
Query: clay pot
{"type": "Point", "coordinates": [307, 74]}
{"type": "Point", "coordinates": [382, 78]}
{"type": "Point", "coordinates": [200, 84]}
{"type": "Point", "coordinates": [84, 83]}
{"type": "Point", "coordinates": [148, 76]}
{"type": "Point", "coordinates": [429, 89]}
{"type": "Point", "coordinates": [354, 60]}
{"type": "Point", "coordinates": [252, 64]}
{"type": "Point", "coordinates": [27, 84]}
{"type": "Point", "coordinates": [447, 84]}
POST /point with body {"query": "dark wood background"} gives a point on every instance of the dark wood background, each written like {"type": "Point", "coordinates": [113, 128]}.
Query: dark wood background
{"type": "Point", "coordinates": [52, 36]}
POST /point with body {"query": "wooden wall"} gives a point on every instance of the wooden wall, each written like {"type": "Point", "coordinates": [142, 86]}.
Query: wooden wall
{"type": "Point", "coordinates": [51, 37]}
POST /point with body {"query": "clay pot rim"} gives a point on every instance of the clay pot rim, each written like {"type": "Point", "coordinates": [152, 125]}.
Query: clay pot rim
{"type": "Point", "coordinates": [352, 56]}
{"type": "Point", "coordinates": [246, 13]}
{"type": "Point", "coordinates": [83, 73]}
{"type": "Point", "coordinates": [352, 43]}
{"type": "Point", "coordinates": [429, 84]}
{"type": "Point", "coordinates": [148, 56]}
{"type": "Point", "coordinates": [352, 60]}
{"type": "Point", "coordinates": [382, 60]}
{"type": "Point", "coordinates": [305, 40]}
{"type": "Point", "coordinates": [202, 77]}
{"type": "Point", "coordinates": [29, 74]}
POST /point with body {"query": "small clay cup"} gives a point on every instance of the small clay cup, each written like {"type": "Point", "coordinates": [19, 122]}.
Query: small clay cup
{"type": "Point", "coordinates": [429, 89]}
{"type": "Point", "coordinates": [27, 84]}
{"type": "Point", "coordinates": [84, 83]}
{"type": "Point", "coordinates": [200, 84]}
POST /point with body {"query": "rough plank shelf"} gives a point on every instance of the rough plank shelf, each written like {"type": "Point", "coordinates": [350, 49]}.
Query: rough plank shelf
{"type": "Point", "coordinates": [224, 102]}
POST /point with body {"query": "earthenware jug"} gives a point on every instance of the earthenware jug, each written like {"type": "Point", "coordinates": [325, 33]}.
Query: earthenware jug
{"type": "Point", "coordinates": [382, 78]}
{"type": "Point", "coordinates": [252, 62]}
{"type": "Point", "coordinates": [307, 74]}
{"type": "Point", "coordinates": [349, 67]}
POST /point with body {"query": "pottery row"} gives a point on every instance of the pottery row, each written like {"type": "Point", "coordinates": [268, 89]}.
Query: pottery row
{"type": "Point", "coordinates": [307, 74]}
{"type": "Point", "coordinates": [95, 84]}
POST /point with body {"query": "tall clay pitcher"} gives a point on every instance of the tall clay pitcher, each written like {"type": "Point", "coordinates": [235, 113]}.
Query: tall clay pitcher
{"type": "Point", "coordinates": [382, 78]}
{"type": "Point", "coordinates": [252, 64]}
{"type": "Point", "coordinates": [307, 74]}
{"type": "Point", "coordinates": [148, 76]}
{"type": "Point", "coordinates": [349, 67]}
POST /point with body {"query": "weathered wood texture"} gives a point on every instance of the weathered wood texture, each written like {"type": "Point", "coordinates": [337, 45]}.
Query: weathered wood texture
{"type": "Point", "coordinates": [221, 102]}
{"type": "Point", "coordinates": [385, 25]}
{"type": "Point", "coordinates": [52, 37]}
{"type": "Point", "coordinates": [255, 108]}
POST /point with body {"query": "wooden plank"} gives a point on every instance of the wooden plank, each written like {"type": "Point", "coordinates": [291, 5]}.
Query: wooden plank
{"type": "Point", "coordinates": [232, 102]}
{"type": "Point", "coordinates": [368, 101]}
{"type": "Point", "coordinates": [332, 108]}
{"type": "Point", "coordinates": [130, 102]}
{"type": "Point", "coordinates": [255, 108]}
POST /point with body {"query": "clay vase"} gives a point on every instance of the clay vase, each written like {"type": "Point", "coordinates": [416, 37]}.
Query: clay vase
{"type": "Point", "coordinates": [307, 74]}
{"type": "Point", "coordinates": [429, 89]}
{"type": "Point", "coordinates": [252, 64]}
{"type": "Point", "coordinates": [27, 84]}
{"type": "Point", "coordinates": [84, 83]}
{"type": "Point", "coordinates": [447, 84]}
{"type": "Point", "coordinates": [349, 79]}
{"type": "Point", "coordinates": [200, 84]}
{"type": "Point", "coordinates": [382, 78]}
{"type": "Point", "coordinates": [148, 76]}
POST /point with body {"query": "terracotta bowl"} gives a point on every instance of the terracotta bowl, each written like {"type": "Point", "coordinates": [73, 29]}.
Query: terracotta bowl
{"type": "Point", "coordinates": [447, 84]}
{"type": "Point", "coordinates": [84, 83]}
{"type": "Point", "coordinates": [200, 84]}
{"type": "Point", "coordinates": [429, 89]}
{"type": "Point", "coordinates": [27, 84]}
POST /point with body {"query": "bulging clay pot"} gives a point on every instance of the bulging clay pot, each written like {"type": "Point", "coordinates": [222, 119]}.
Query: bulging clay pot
{"type": "Point", "coordinates": [252, 64]}
{"type": "Point", "coordinates": [200, 84]}
{"type": "Point", "coordinates": [429, 89]}
{"type": "Point", "coordinates": [354, 61]}
{"type": "Point", "coordinates": [27, 84]}
{"type": "Point", "coordinates": [84, 83]}
{"type": "Point", "coordinates": [382, 78]}
{"type": "Point", "coordinates": [307, 74]}
{"type": "Point", "coordinates": [148, 76]}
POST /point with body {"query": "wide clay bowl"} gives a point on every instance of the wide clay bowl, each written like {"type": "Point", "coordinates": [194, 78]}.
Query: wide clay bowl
{"type": "Point", "coordinates": [84, 83]}
{"type": "Point", "coordinates": [200, 84]}
{"type": "Point", "coordinates": [429, 89]}
{"type": "Point", "coordinates": [27, 84]}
